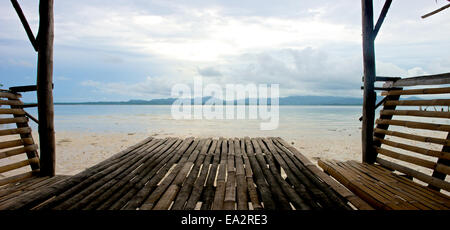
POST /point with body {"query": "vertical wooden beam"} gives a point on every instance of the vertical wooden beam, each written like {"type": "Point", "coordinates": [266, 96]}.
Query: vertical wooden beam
{"type": "Point", "coordinates": [437, 174]}
{"type": "Point", "coordinates": [385, 117]}
{"type": "Point", "coordinates": [44, 88]}
{"type": "Point", "coordinates": [369, 97]}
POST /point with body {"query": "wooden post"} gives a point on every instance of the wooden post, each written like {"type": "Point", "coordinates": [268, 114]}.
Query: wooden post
{"type": "Point", "coordinates": [437, 174]}
{"type": "Point", "coordinates": [380, 20]}
{"type": "Point", "coordinates": [44, 88]}
{"type": "Point", "coordinates": [368, 153]}
{"type": "Point", "coordinates": [25, 24]}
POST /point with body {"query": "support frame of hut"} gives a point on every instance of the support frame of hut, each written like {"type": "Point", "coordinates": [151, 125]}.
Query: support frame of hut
{"type": "Point", "coordinates": [369, 33]}
{"type": "Point", "coordinates": [43, 45]}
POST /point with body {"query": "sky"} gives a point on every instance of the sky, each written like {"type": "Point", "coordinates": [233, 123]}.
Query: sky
{"type": "Point", "coordinates": [119, 50]}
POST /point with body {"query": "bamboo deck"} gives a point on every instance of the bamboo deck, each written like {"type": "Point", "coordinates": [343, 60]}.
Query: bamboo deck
{"type": "Point", "coordinates": [191, 173]}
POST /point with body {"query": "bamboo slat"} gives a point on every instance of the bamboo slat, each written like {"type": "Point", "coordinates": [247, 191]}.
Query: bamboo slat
{"type": "Point", "coordinates": [437, 79]}
{"type": "Point", "coordinates": [78, 196]}
{"type": "Point", "coordinates": [178, 174]}
{"type": "Point", "coordinates": [416, 125]}
{"type": "Point", "coordinates": [230, 184]}
{"type": "Point", "coordinates": [276, 188]}
{"type": "Point", "coordinates": [416, 149]}
{"type": "Point", "coordinates": [416, 113]}
{"type": "Point", "coordinates": [252, 191]}
{"type": "Point", "coordinates": [349, 181]}
{"type": "Point", "coordinates": [12, 111]}
{"type": "Point", "coordinates": [30, 154]}
{"type": "Point", "coordinates": [417, 91]}
{"type": "Point", "coordinates": [208, 194]}
{"type": "Point", "coordinates": [17, 151]}
{"type": "Point", "coordinates": [8, 95]}
{"type": "Point", "coordinates": [38, 196]}
{"type": "Point", "coordinates": [398, 200]}
{"type": "Point", "coordinates": [414, 187]}
{"type": "Point", "coordinates": [13, 120]}
{"type": "Point", "coordinates": [16, 165]}
{"type": "Point", "coordinates": [391, 185]}
{"type": "Point", "coordinates": [123, 184]}
{"type": "Point", "coordinates": [18, 177]}
{"type": "Point", "coordinates": [219, 195]}
{"type": "Point", "coordinates": [406, 158]}
{"type": "Point", "coordinates": [445, 162]}
{"type": "Point", "coordinates": [169, 195]}
{"type": "Point", "coordinates": [262, 186]}
{"type": "Point", "coordinates": [134, 193]}
{"type": "Point", "coordinates": [198, 187]}
{"type": "Point", "coordinates": [15, 131]}
{"type": "Point", "coordinates": [402, 185]}
{"type": "Point", "coordinates": [340, 189]}
{"type": "Point", "coordinates": [294, 198]}
{"type": "Point", "coordinates": [442, 168]}
{"type": "Point", "coordinates": [153, 198]}
{"type": "Point", "coordinates": [414, 137]}
{"type": "Point", "coordinates": [46, 182]}
{"type": "Point", "coordinates": [197, 156]}
{"type": "Point", "coordinates": [18, 186]}
{"type": "Point", "coordinates": [377, 190]}
{"type": "Point", "coordinates": [159, 152]}
{"type": "Point", "coordinates": [323, 193]}
{"type": "Point", "coordinates": [16, 143]}
{"type": "Point", "coordinates": [158, 163]}
{"type": "Point", "coordinates": [421, 176]}
{"type": "Point", "coordinates": [241, 182]}
{"type": "Point", "coordinates": [296, 179]}
{"type": "Point", "coordinates": [33, 183]}
{"type": "Point", "coordinates": [434, 102]}
{"type": "Point", "coordinates": [188, 185]}
{"type": "Point", "coordinates": [11, 102]}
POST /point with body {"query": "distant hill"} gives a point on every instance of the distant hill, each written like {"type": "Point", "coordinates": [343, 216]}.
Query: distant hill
{"type": "Point", "coordinates": [320, 100]}
{"type": "Point", "coordinates": [291, 100]}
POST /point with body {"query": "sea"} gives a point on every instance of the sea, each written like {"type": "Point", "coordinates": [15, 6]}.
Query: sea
{"type": "Point", "coordinates": [312, 120]}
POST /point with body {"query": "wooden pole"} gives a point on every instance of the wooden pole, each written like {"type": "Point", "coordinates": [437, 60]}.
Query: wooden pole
{"type": "Point", "coordinates": [25, 24]}
{"type": "Point", "coordinates": [380, 20]}
{"type": "Point", "coordinates": [436, 11]}
{"type": "Point", "coordinates": [44, 88]}
{"type": "Point", "coordinates": [443, 161]}
{"type": "Point", "coordinates": [369, 97]}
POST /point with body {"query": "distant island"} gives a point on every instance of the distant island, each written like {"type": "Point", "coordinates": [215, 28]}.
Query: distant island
{"type": "Point", "coordinates": [291, 100]}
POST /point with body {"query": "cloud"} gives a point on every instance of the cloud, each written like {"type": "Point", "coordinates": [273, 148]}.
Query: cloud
{"type": "Point", "coordinates": [209, 72]}
{"type": "Point", "coordinates": [308, 47]}
{"type": "Point", "coordinates": [307, 71]}
{"type": "Point", "coordinates": [151, 87]}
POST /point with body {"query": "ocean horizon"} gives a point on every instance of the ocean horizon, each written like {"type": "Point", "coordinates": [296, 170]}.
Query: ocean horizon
{"type": "Point", "coordinates": [294, 119]}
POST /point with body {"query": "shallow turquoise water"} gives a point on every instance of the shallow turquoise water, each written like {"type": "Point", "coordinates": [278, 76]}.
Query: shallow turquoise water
{"type": "Point", "coordinates": [311, 120]}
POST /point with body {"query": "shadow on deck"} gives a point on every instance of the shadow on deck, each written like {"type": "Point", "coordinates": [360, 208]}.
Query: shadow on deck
{"type": "Point", "coordinates": [172, 173]}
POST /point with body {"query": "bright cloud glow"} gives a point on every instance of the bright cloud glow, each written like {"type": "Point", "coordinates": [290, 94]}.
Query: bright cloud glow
{"type": "Point", "coordinates": [308, 47]}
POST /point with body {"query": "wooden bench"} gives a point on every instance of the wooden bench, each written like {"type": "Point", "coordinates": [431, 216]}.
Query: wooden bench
{"type": "Point", "coordinates": [18, 150]}
{"type": "Point", "coordinates": [14, 125]}
{"type": "Point", "coordinates": [411, 155]}
{"type": "Point", "coordinates": [195, 173]}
